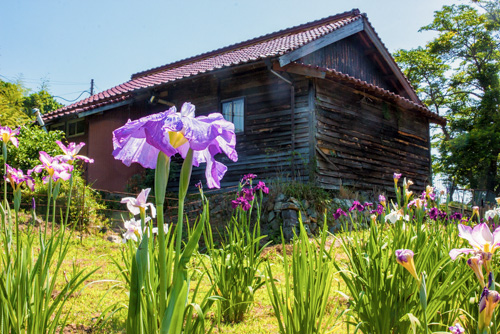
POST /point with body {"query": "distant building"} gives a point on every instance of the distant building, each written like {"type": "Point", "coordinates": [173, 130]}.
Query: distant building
{"type": "Point", "coordinates": [322, 102]}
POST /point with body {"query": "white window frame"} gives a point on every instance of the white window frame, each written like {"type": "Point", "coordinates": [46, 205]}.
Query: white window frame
{"type": "Point", "coordinates": [238, 127]}
{"type": "Point", "coordinates": [63, 124]}
{"type": "Point", "coordinates": [73, 121]}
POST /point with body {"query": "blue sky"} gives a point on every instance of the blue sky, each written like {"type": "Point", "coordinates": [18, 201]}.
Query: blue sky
{"type": "Point", "coordinates": [66, 43]}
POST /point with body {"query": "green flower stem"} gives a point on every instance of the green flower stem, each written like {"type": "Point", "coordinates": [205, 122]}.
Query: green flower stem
{"type": "Point", "coordinates": [55, 194]}
{"type": "Point", "coordinates": [161, 179]}
{"type": "Point", "coordinates": [17, 205]}
{"type": "Point", "coordinates": [423, 301]}
{"type": "Point", "coordinates": [185, 176]}
{"type": "Point", "coordinates": [69, 198]}
{"type": "Point", "coordinates": [4, 152]}
{"type": "Point", "coordinates": [49, 197]}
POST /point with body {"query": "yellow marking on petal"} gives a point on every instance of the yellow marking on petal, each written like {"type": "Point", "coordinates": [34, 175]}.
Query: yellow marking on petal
{"type": "Point", "coordinates": [487, 248]}
{"type": "Point", "coordinates": [5, 137]}
{"type": "Point", "coordinates": [177, 139]}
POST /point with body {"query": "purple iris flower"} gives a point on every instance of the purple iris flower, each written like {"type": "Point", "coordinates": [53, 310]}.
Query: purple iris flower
{"type": "Point", "coordinates": [247, 194]}
{"type": "Point", "coordinates": [434, 213]}
{"type": "Point", "coordinates": [456, 216]}
{"type": "Point", "coordinates": [17, 178]}
{"type": "Point", "coordinates": [71, 153]}
{"type": "Point", "coordinates": [261, 186]}
{"type": "Point", "coordinates": [339, 213]}
{"type": "Point", "coordinates": [248, 177]}
{"type": "Point", "coordinates": [172, 132]}
{"type": "Point", "coordinates": [379, 210]}
{"type": "Point", "coordinates": [457, 329]}
{"type": "Point", "coordinates": [367, 204]}
{"type": "Point", "coordinates": [356, 206]}
{"type": "Point", "coordinates": [57, 170]}
{"type": "Point", "coordinates": [242, 202]}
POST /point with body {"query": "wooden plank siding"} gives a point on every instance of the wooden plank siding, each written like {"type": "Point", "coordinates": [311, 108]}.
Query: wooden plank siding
{"type": "Point", "coordinates": [264, 148]}
{"type": "Point", "coordinates": [364, 140]}
{"type": "Point", "coordinates": [350, 56]}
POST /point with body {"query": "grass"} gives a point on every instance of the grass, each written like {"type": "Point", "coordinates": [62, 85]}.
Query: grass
{"type": "Point", "coordinates": [103, 296]}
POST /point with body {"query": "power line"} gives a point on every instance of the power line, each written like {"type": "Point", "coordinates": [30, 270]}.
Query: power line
{"type": "Point", "coordinates": [62, 98]}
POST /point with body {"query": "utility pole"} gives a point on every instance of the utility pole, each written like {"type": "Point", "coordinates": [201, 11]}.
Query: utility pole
{"type": "Point", "coordinates": [91, 87]}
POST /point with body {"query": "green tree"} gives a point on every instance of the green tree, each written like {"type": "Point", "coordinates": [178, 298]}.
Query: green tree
{"type": "Point", "coordinates": [457, 76]}
{"type": "Point", "coordinates": [17, 103]}
{"type": "Point", "coordinates": [12, 97]}
{"type": "Point", "coordinates": [41, 100]}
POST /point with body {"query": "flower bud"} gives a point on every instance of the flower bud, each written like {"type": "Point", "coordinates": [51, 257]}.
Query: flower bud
{"type": "Point", "coordinates": [487, 304]}
{"type": "Point", "coordinates": [405, 258]}
{"type": "Point", "coordinates": [476, 263]}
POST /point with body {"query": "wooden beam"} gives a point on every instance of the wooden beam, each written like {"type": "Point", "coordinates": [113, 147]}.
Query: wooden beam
{"type": "Point", "coordinates": [301, 70]}
{"type": "Point", "coordinates": [334, 36]}
{"type": "Point", "coordinates": [104, 108]}
{"type": "Point", "coordinates": [390, 62]}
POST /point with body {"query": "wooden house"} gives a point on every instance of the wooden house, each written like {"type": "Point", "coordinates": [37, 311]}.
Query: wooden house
{"type": "Point", "coordinates": [322, 102]}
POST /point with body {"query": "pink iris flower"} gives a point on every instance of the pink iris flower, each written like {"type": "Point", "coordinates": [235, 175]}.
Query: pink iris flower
{"type": "Point", "coordinates": [56, 169]}
{"type": "Point", "coordinates": [480, 238]}
{"type": "Point", "coordinates": [173, 132]}
{"type": "Point", "coordinates": [138, 205]}
{"type": "Point", "coordinates": [7, 134]}
{"type": "Point", "coordinates": [71, 152]}
{"type": "Point", "coordinates": [16, 178]}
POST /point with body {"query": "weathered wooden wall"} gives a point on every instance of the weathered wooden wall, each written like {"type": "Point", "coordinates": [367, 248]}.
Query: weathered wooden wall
{"type": "Point", "coordinates": [264, 148]}
{"type": "Point", "coordinates": [364, 140]}
{"type": "Point", "coordinates": [350, 56]}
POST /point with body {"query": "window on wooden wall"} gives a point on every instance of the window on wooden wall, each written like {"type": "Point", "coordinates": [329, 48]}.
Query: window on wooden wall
{"type": "Point", "coordinates": [234, 111]}
{"type": "Point", "coordinates": [58, 126]}
{"type": "Point", "coordinates": [71, 128]}
{"type": "Point", "coordinates": [76, 128]}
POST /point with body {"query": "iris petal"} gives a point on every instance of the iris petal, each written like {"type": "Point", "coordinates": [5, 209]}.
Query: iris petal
{"type": "Point", "coordinates": [481, 234]}
{"type": "Point", "coordinates": [454, 253]}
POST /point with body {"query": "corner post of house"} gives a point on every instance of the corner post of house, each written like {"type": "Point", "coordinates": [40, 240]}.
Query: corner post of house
{"type": "Point", "coordinates": [429, 145]}
{"type": "Point", "coordinates": [312, 129]}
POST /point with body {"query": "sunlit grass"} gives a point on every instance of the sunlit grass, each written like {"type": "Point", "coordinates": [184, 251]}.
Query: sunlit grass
{"type": "Point", "coordinates": [92, 309]}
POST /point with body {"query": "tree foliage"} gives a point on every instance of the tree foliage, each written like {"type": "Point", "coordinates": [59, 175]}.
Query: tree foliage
{"type": "Point", "coordinates": [17, 103]}
{"type": "Point", "coordinates": [457, 75]}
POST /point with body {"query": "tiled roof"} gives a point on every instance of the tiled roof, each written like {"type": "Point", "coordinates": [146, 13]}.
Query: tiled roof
{"type": "Point", "coordinates": [271, 45]}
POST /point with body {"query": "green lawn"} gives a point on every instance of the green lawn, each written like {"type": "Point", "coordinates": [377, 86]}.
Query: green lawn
{"type": "Point", "coordinates": [105, 289]}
